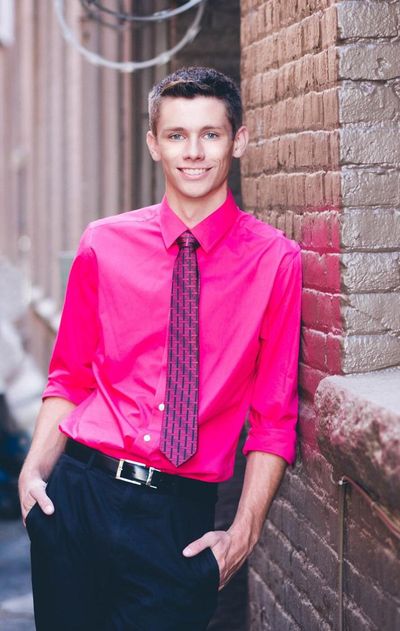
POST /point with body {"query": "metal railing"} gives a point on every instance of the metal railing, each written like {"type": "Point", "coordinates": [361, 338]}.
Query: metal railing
{"type": "Point", "coordinates": [343, 482]}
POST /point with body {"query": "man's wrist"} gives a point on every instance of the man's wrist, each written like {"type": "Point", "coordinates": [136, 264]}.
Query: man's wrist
{"type": "Point", "coordinates": [243, 538]}
{"type": "Point", "coordinates": [37, 467]}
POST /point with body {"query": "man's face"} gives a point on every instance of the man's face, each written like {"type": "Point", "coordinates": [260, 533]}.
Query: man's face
{"type": "Point", "coordinates": [195, 146]}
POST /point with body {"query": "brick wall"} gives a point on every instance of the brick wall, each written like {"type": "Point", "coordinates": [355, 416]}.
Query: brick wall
{"type": "Point", "coordinates": [290, 175]}
{"type": "Point", "coordinates": [320, 85]}
{"type": "Point", "coordinates": [370, 160]}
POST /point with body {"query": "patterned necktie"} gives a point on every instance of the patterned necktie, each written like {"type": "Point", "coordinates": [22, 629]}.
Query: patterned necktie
{"type": "Point", "coordinates": [179, 427]}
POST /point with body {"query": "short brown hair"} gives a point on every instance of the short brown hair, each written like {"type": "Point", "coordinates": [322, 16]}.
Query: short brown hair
{"type": "Point", "coordinates": [197, 81]}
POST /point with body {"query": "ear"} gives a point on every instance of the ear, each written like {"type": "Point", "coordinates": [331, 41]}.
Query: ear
{"type": "Point", "coordinates": [240, 141]}
{"type": "Point", "coordinates": [153, 146]}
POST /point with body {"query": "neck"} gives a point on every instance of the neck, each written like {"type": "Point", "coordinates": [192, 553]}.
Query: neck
{"type": "Point", "coordinates": [193, 210]}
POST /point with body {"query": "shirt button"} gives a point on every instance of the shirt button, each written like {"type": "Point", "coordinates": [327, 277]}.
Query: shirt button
{"type": "Point", "coordinates": [161, 407]}
{"type": "Point", "coordinates": [146, 438]}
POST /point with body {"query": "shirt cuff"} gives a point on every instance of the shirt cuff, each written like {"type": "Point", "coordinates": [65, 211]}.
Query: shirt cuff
{"type": "Point", "coordinates": [279, 442]}
{"type": "Point", "coordinates": [75, 395]}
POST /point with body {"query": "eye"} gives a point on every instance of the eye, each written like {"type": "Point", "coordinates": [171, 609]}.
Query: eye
{"type": "Point", "coordinates": [175, 136]}
{"type": "Point", "coordinates": [211, 135]}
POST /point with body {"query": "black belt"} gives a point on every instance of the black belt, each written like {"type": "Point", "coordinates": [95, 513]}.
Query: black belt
{"type": "Point", "coordinates": [140, 474]}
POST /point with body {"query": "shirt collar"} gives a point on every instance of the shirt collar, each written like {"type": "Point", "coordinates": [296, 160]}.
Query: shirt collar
{"type": "Point", "coordinates": [208, 231]}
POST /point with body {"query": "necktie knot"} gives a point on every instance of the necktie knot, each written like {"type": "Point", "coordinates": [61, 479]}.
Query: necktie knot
{"type": "Point", "coordinates": [187, 240]}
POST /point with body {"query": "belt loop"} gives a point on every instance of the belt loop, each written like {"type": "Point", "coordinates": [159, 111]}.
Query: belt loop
{"type": "Point", "coordinates": [90, 462]}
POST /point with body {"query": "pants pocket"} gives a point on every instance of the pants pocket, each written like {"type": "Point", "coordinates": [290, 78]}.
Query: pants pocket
{"type": "Point", "coordinates": [30, 516]}
{"type": "Point", "coordinates": [214, 567]}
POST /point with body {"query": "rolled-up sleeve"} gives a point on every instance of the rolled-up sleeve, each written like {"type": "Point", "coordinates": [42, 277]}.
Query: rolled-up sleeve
{"type": "Point", "coordinates": [70, 371]}
{"type": "Point", "coordinates": [274, 405]}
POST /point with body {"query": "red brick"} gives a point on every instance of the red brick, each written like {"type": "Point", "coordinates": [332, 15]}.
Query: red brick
{"type": "Point", "coordinates": [321, 271]}
{"type": "Point", "coordinates": [331, 108]}
{"type": "Point", "coordinates": [295, 197]}
{"type": "Point", "coordinates": [329, 27]}
{"type": "Point", "coordinates": [268, 17]}
{"type": "Point", "coordinates": [319, 231]}
{"type": "Point", "coordinates": [294, 113]}
{"type": "Point", "coordinates": [256, 86]}
{"type": "Point", "coordinates": [267, 115]}
{"type": "Point", "coordinates": [320, 149]}
{"type": "Point", "coordinates": [281, 114]}
{"type": "Point", "coordinates": [270, 155]}
{"type": "Point", "coordinates": [332, 65]}
{"type": "Point", "coordinates": [334, 354]}
{"type": "Point", "coordinates": [311, 33]}
{"type": "Point", "coordinates": [269, 86]}
{"type": "Point", "coordinates": [332, 189]}
{"type": "Point", "coordinates": [317, 110]}
{"type": "Point", "coordinates": [309, 379]}
{"type": "Point", "coordinates": [334, 155]}
{"type": "Point", "coordinates": [313, 349]}
{"type": "Point", "coordinates": [289, 223]}
{"type": "Point", "coordinates": [308, 111]}
{"type": "Point", "coordinates": [280, 183]}
{"type": "Point", "coordinates": [321, 69]}
{"type": "Point", "coordinates": [314, 189]}
{"type": "Point", "coordinates": [245, 165]}
{"type": "Point", "coordinates": [268, 52]}
{"type": "Point", "coordinates": [333, 271]}
{"type": "Point", "coordinates": [261, 21]}
{"type": "Point", "coordinates": [286, 152]}
{"type": "Point", "coordinates": [288, 80]}
{"type": "Point", "coordinates": [300, 190]}
{"type": "Point", "coordinates": [293, 42]}
{"type": "Point", "coordinates": [282, 55]}
{"type": "Point", "coordinates": [281, 84]}
{"type": "Point", "coordinates": [275, 14]}
{"type": "Point", "coordinates": [303, 150]}
{"type": "Point", "coordinates": [321, 311]}
{"type": "Point", "coordinates": [248, 120]}
{"type": "Point", "coordinates": [249, 192]}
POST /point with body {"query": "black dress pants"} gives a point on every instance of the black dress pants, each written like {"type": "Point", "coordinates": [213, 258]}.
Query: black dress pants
{"type": "Point", "coordinates": [110, 557]}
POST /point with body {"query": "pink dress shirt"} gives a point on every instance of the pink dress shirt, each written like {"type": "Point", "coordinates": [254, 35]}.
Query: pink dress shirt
{"type": "Point", "coordinates": [110, 354]}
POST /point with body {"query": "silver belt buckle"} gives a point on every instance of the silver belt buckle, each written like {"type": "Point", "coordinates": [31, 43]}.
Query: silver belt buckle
{"type": "Point", "coordinates": [147, 482]}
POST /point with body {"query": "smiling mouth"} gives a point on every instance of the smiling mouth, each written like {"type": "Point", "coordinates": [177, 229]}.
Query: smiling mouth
{"type": "Point", "coordinates": [197, 171]}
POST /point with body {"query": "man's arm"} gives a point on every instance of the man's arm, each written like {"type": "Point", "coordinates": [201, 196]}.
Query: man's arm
{"type": "Point", "coordinates": [47, 445]}
{"type": "Point", "coordinates": [70, 379]}
{"type": "Point", "coordinates": [264, 472]}
{"type": "Point", "coordinates": [270, 444]}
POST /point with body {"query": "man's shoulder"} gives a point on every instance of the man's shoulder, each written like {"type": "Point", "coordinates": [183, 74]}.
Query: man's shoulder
{"type": "Point", "coordinates": [267, 236]}
{"type": "Point", "coordinates": [120, 220]}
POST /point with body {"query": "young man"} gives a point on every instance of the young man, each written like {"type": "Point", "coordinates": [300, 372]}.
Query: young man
{"type": "Point", "coordinates": [178, 319]}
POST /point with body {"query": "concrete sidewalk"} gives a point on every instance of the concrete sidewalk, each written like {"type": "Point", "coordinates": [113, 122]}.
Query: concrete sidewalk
{"type": "Point", "coordinates": [16, 607]}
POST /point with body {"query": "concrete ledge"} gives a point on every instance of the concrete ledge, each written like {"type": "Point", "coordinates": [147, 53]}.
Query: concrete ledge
{"type": "Point", "coordinates": [358, 430]}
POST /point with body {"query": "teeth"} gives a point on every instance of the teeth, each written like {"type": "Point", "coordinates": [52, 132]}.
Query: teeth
{"type": "Point", "coordinates": [194, 171]}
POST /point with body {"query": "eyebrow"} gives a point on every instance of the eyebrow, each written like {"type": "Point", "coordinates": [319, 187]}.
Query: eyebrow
{"type": "Point", "coordinates": [219, 127]}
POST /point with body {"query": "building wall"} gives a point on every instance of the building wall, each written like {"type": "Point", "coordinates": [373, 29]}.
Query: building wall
{"type": "Point", "coordinates": [66, 137]}
{"type": "Point", "coordinates": [319, 82]}
{"type": "Point", "coordinates": [369, 109]}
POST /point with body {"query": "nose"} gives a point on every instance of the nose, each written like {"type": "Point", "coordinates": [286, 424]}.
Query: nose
{"type": "Point", "coordinates": [194, 148]}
